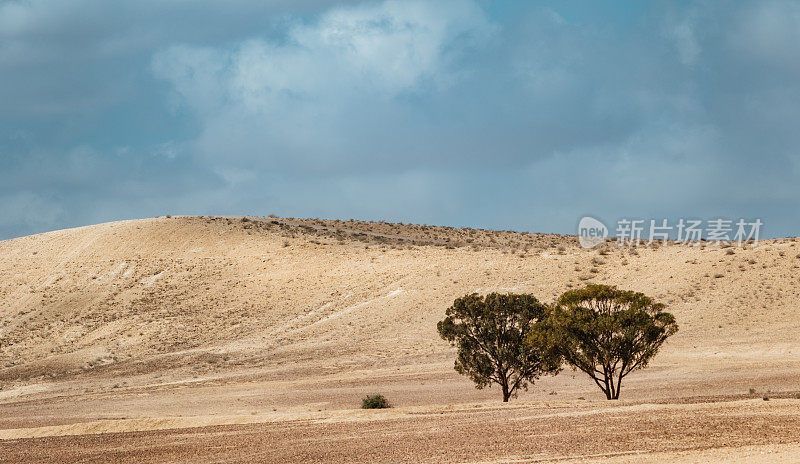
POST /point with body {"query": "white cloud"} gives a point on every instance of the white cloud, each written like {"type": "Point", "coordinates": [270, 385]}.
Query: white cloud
{"type": "Point", "coordinates": [382, 48]}
{"type": "Point", "coordinates": [284, 103]}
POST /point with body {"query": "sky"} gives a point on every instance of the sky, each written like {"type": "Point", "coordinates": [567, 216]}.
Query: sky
{"type": "Point", "coordinates": [476, 113]}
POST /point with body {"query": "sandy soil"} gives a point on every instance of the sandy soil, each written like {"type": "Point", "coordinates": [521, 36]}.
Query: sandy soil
{"type": "Point", "coordinates": [749, 430]}
{"type": "Point", "coordinates": [192, 339]}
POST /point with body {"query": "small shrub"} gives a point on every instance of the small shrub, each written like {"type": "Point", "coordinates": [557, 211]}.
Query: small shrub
{"type": "Point", "coordinates": [375, 402]}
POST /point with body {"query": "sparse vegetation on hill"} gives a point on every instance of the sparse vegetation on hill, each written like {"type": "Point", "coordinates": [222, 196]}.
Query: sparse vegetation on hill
{"type": "Point", "coordinates": [399, 235]}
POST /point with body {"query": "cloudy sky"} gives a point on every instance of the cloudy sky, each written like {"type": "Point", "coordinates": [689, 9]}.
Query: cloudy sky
{"type": "Point", "coordinates": [499, 114]}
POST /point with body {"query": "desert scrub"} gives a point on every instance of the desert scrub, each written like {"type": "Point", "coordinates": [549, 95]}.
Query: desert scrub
{"type": "Point", "coordinates": [375, 402]}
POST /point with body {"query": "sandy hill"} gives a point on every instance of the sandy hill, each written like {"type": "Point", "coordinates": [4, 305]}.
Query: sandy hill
{"type": "Point", "coordinates": [269, 313]}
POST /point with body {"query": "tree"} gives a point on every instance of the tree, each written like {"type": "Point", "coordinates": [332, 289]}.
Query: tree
{"type": "Point", "coordinates": [490, 334]}
{"type": "Point", "coordinates": [606, 333]}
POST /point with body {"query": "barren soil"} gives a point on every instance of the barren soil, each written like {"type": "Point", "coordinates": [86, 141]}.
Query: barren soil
{"type": "Point", "coordinates": [198, 339]}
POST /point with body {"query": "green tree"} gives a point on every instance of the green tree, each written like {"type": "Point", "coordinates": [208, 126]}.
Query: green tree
{"type": "Point", "coordinates": [606, 333]}
{"type": "Point", "coordinates": [490, 334]}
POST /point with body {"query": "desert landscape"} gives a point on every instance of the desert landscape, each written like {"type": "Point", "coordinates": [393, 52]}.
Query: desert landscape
{"type": "Point", "coordinates": [254, 339]}
{"type": "Point", "coordinates": [399, 231]}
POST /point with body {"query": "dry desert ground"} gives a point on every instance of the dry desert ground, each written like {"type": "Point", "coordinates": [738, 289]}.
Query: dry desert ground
{"type": "Point", "coordinates": [241, 340]}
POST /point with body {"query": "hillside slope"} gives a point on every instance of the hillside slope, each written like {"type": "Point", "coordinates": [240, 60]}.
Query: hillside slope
{"type": "Point", "coordinates": [300, 311]}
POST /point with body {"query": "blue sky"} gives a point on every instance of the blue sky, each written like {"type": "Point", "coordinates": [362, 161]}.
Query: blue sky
{"type": "Point", "coordinates": [498, 114]}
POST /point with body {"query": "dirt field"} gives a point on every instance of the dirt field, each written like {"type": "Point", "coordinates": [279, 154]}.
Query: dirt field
{"type": "Point", "coordinates": [726, 431]}
{"type": "Point", "coordinates": [228, 340]}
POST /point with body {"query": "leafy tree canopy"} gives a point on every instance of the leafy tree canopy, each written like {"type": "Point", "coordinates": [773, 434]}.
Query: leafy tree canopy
{"type": "Point", "coordinates": [490, 334]}
{"type": "Point", "coordinates": [606, 332]}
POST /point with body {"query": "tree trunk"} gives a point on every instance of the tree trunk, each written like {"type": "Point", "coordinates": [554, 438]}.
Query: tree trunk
{"type": "Point", "coordinates": [506, 393]}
